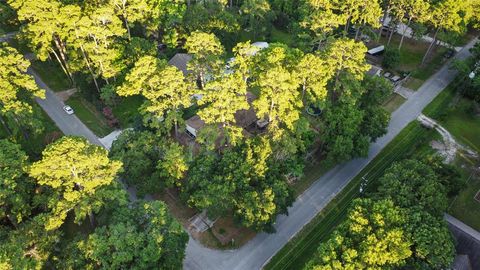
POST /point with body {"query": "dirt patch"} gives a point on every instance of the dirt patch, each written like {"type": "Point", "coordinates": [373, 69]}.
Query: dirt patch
{"type": "Point", "coordinates": [450, 147]}
{"type": "Point", "coordinates": [65, 95]}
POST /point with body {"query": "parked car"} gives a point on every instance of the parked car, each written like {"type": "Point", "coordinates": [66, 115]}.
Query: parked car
{"type": "Point", "coordinates": [68, 109]}
{"type": "Point", "coordinates": [449, 53]}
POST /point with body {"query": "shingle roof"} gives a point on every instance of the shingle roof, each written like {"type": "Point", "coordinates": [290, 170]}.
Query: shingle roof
{"type": "Point", "coordinates": [180, 61]}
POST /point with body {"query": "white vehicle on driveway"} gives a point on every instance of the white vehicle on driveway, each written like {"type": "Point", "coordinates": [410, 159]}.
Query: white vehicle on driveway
{"type": "Point", "coordinates": [68, 109]}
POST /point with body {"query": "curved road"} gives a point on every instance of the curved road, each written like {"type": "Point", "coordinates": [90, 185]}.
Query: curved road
{"type": "Point", "coordinates": [259, 250]}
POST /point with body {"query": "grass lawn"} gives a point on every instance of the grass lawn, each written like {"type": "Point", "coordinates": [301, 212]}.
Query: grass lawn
{"type": "Point", "coordinates": [89, 115]}
{"type": "Point", "coordinates": [301, 248]}
{"type": "Point", "coordinates": [52, 74]}
{"type": "Point", "coordinates": [411, 55]}
{"type": "Point", "coordinates": [463, 123]}
{"type": "Point", "coordinates": [413, 83]}
{"type": "Point", "coordinates": [465, 207]}
{"type": "Point", "coordinates": [127, 109]}
{"type": "Point", "coordinates": [281, 37]}
{"type": "Point", "coordinates": [393, 102]}
{"type": "Point", "coordinates": [453, 112]}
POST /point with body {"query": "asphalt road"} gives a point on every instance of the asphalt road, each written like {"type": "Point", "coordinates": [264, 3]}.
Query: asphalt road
{"type": "Point", "coordinates": [259, 250]}
{"type": "Point", "coordinates": [53, 106]}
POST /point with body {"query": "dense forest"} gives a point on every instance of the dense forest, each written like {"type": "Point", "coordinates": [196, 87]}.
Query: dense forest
{"type": "Point", "coordinates": [112, 50]}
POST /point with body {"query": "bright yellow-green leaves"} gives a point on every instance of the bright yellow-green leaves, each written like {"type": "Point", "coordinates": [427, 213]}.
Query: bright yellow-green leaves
{"type": "Point", "coordinates": [79, 176]}
{"type": "Point", "coordinates": [372, 237]}
{"type": "Point", "coordinates": [14, 80]}
{"type": "Point", "coordinates": [163, 86]}
{"type": "Point", "coordinates": [223, 98]}
{"type": "Point", "coordinates": [314, 74]}
{"type": "Point", "coordinates": [207, 53]}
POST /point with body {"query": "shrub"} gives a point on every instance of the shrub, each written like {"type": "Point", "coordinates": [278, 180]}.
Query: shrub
{"type": "Point", "coordinates": [391, 58]}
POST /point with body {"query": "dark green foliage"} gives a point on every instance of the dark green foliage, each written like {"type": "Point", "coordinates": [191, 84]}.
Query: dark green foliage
{"type": "Point", "coordinates": [142, 236]}
{"type": "Point", "coordinates": [391, 58]}
{"type": "Point", "coordinates": [149, 162]}
{"type": "Point", "coordinates": [433, 244]}
{"type": "Point", "coordinates": [243, 179]}
{"type": "Point", "coordinates": [412, 183]}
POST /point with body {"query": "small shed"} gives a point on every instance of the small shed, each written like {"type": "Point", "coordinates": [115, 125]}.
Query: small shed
{"type": "Point", "coordinates": [180, 61]}
{"type": "Point", "coordinates": [193, 125]}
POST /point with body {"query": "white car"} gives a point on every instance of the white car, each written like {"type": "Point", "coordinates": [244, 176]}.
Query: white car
{"type": "Point", "coordinates": [68, 109]}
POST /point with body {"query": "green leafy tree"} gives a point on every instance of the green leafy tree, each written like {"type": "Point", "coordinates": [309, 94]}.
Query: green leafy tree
{"type": "Point", "coordinates": [150, 163]}
{"type": "Point", "coordinates": [18, 89]}
{"type": "Point", "coordinates": [29, 246]}
{"type": "Point", "coordinates": [323, 18]}
{"type": "Point", "coordinates": [162, 19]}
{"type": "Point", "coordinates": [257, 14]}
{"type": "Point", "coordinates": [164, 88]}
{"type": "Point", "coordinates": [95, 36]}
{"type": "Point", "coordinates": [433, 245]}
{"type": "Point", "coordinates": [449, 15]}
{"type": "Point", "coordinates": [130, 11]}
{"type": "Point", "coordinates": [45, 28]}
{"type": "Point", "coordinates": [345, 56]}
{"type": "Point", "coordinates": [314, 74]}
{"type": "Point", "coordinates": [417, 11]}
{"type": "Point", "coordinates": [16, 189]}
{"type": "Point", "coordinates": [207, 53]}
{"type": "Point", "coordinates": [361, 13]}
{"type": "Point", "coordinates": [143, 236]}
{"type": "Point", "coordinates": [342, 137]}
{"type": "Point", "coordinates": [372, 237]}
{"type": "Point", "coordinates": [410, 183]}
{"type": "Point", "coordinates": [391, 58]}
{"type": "Point", "coordinates": [75, 176]}
{"type": "Point", "coordinates": [222, 99]}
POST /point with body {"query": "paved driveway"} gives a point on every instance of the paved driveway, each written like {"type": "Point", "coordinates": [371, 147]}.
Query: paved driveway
{"type": "Point", "coordinates": [53, 106]}
{"type": "Point", "coordinates": [260, 249]}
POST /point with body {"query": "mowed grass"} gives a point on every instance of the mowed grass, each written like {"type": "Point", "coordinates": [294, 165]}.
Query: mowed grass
{"type": "Point", "coordinates": [89, 115]}
{"type": "Point", "coordinates": [463, 123]}
{"type": "Point", "coordinates": [465, 207]}
{"type": "Point", "coordinates": [411, 56]}
{"type": "Point", "coordinates": [393, 102]}
{"type": "Point", "coordinates": [52, 74]}
{"type": "Point", "coordinates": [454, 113]}
{"type": "Point", "coordinates": [127, 110]}
{"type": "Point", "coordinates": [301, 248]}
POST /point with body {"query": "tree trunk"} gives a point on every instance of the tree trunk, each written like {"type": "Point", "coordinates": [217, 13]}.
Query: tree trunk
{"type": "Point", "coordinates": [90, 68]}
{"type": "Point", "coordinates": [385, 15]}
{"type": "Point", "coordinates": [304, 88]}
{"type": "Point", "coordinates": [404, 32]}
{"type": "Point", "coordinates": [128, 27]}
{"type": "Point", "coordinates": [61, 64]}
{"type": "Point", "coordinates": [4, 124]}
{"type": "Point", "coordinates": [347, 26]}
{"type": "Point", "coordinates": [357, 32]}
{"type": "Point", "coordinates": [92, 219]}
{"type": "Point", "coordinates": [425, 57]}
{"type": "Point", "coordinates": [392, 31]}
{"type": "Point", "coordinates": [61, 50]}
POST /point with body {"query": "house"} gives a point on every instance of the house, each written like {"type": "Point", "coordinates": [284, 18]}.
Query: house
{"type": "Point", "coordinates": [243, 119]}
{"type": "Point", "coordinates": [193, 125]}
{"type": "Point", "coordinates": [180, 61]}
